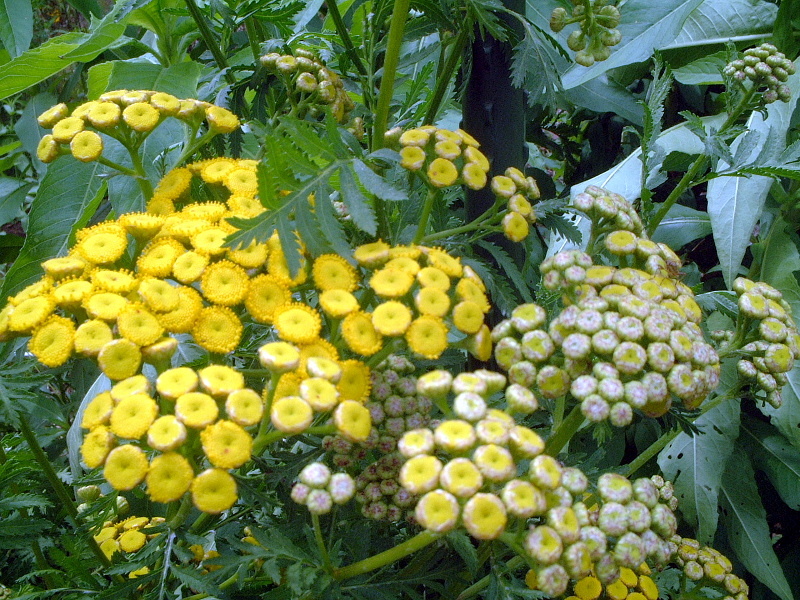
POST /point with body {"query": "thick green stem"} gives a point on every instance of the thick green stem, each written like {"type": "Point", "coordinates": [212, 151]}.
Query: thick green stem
{"type": "Point", "coordinates": [194, 145]}
{"type": "Point", "coordinates": [448, 71]}
{"type": "Point", "coordinates": [117, 167]}
{"type": "Point", "coordinates": [252, 37]}
{"type": "Point", "coordinates": [426, 213]}
{"type": "Point", "coordinates": [323, 551]}
{"type": "Point", "coordinates": [208, 39]}
{"type": "Point", "coordinates": [180, 515]}
{"type": "Point", "coordinates": [344, 36]}
{"type": "Point", "coordinates": [563, 434]}
{"type": "Point", "coordinates": [262, 441]}
{"type": "Point", "coordinates": [390, 62]}
{"type": "Point", "coordinates": [377, 561]}
{"type": "Point", "coordinates": [141, 174]}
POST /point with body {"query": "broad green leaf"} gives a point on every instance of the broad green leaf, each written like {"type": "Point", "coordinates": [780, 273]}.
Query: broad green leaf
{"type": "Point", "coordinates": [67, 189]}
{"type": "Point", "coordinates": [606, 95]}
{"type": "Point", "coordinates": [645, 26]}
{"type": "Point", "coordinates": [779, 258]}
{"type": "Point", "coordinates": [706, 70]}
{"type": "Point", "coordinates": [682, 225]}
{"type": "Point", "coordinates": [97, 42]}
{"type": "Point", "coordinates": [12, 194]}
{"type": "Point", "coordinates": [717, 22]}
{"type": "Point", "coordinates": [310, 11]}
{"type": "Point", "coordinates": [695, 464]}
{"type": "Point", "coordinates": [179, 80]}
{"type": "Point", "coordinates": [774, 455]}
{"type": "Point", "coordinates": [746, 525]}
{"type": "Point", "coordinates": [786, 419]}
{"type": "Point", "coordinates": [88, 8]}
{"type": "Point", "coordinates": [16, 25]}
{"type": "Point", "coordinates": [735, 203]}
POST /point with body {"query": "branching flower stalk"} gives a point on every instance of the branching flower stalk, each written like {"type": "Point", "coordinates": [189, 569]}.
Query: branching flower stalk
{"type": "Point", "coordinates": [387, 557]}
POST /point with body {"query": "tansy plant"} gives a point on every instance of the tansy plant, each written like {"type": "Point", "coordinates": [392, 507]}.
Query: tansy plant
{"type": "Point", "coordinates": [298, 352]}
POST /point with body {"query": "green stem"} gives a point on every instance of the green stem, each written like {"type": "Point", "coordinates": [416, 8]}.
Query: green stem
{"type": "Point", "coordinates": [382, 559]}
{"type": "Point", "coordinates": [118, 167]}
{"type": "Point", "coordinates": [433, 194]}
{"type": "Point", "coordinates": [344, 36]}
{"type": "Point", "coordinates": [443, 82]}
{"type": "Point", "coordinates": [478, 223]}
{"type": "Point", "coordinates": [203, 521]}
{"type": "Point", "coordinates": [480, 585]}
{"type": "Point", "coordinates": [141, 174]}
{"type": "Point", "coordinates": [194, 145]}
{"type": "Point", "coordinates": [252, 36]}
{"type": "Point", "coordinates": [58, 487]}
{"type": "Point", "coordinates": [323, 551]}
{"type": "Point", "coordinates": [262, 441]}
{"type": "Point", "coordinates": [390, 62]}
{"type": "Point", "coordinates": [208, 39]}
{"type": "Point", "coordinates": [180, 515]}
{"type": "Point", "coordinates": [563, 434]}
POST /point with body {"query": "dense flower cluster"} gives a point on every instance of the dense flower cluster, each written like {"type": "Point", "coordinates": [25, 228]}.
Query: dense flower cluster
{"type": "Point", "coordinates": [766, 67]}
{"type": "Point", "coordinates": [309, 82]}
{"type": "Point", "coordinates": [519, 193]}
{"type": "Point", "coordinates": [771, 342]}
{"type": "Point", "coordinates": [708, 567]}
{"type": "Point", "coordinates": [127, 536]}
{"type": "Point", "coordinates": [608, 211]}
{"type": "Point", "coordinates": [380, 494]}
{"type": "Point", "coordinates": [597, 33]}
{"type": "Point", "coordinates": [630, 586]}
{"type": "Point", "coordinates": [319, 489]}
{"type": "Point", "coordinates": [121, 115]}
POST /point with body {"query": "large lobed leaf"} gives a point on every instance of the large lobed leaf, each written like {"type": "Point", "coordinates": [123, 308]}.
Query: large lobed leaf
{"type": "Point", "coordinates": [774, 455]}
{"type": "Point", "coordinates": [16, 25]}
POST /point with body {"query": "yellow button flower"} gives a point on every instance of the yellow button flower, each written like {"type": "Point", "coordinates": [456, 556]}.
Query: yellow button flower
{"type": "Point", "coordinates": [427, 336]}
{"type": "Point", "coordinates": [420, 474]}
{"type": "Point", "coordinates": [169, 477]}
{"type": "Point", "coordinates": [484, 516]}
{"type": "Point", "coordinates": [141, 117]}
{"type": "Point", "coordinates": [354, 382]}
{"type": "Point", "coordinates": [297, 323]}
{"type": "Point", "coordinates": [214, 491]}
{"type": "Point", "coordinates": [220, 380]}
{"type": "Point", "coordinates": [119, 359]}
{"type": "Point", "coordinates": [86, 146]}
{"type": "Point", "coordinates": [96, 446]}
{"type": "Point", "coordinates": [332, 272]}
{"type": "Point", "coordinates": [291, 414]}
{"type": "Point", "coordinates": [125, 467]}
{"type": "Point", "coordinates": [173, 383]}
{"type": "Point", "coordinates": [226, 444]}
{"type": "Point", "coordinates": [392, 318]}
{"type": "Point", "coordinates": [437, 511]}
{"type": "Point", "coordinates": [53, 341]}
{"type": "Point", "coordinates": [279, 357]}
{"type": "Point", "coordinates": [217, 329]}
{"type": "Point", "coordinates": [133, 415]}
{"type": "Point", "coordinates": [352, 420]}
{"type": "Point", "coordinates": [166, 433]}
{"type": "Point", "coordinates": [196, 409]}
{"type": "Point", "coordinates": [244, 407]}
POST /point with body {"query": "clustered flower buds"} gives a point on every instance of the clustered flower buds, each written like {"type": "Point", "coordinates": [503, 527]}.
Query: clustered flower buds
{"type": "Point", "coordinates": [765, 67]}
{"type": "Point", "coordinates": [309, 82]}
{"type": "Point", "coordinates": [770, 340]}
{"type": "Point", "coordinates": [708, 567]}
{"type": "Point", "coordinates": [519, 193]}
{"type": "Point", "coordinates": [379, 492]}
{"type": "Point", "coordinates": [121, 114]}
{"type": "Point", "coordinates": [318, 489]}
{"type": "Point", "coordinates": [597, 33]}
{"type": "Point", "coordinates": [127, 536]}
{"type": "Point", "coordinates": [607, 210]}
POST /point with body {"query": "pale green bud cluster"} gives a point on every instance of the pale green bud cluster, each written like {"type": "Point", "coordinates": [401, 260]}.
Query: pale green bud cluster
{"type": "Point", "coordinates": [770, 342]}
{"type": "Point", "coordinates": [306, 78]}
{"type": "Point", "coordinates": [765, 67]}
{"type": "Point", "coordinates": [597, 33]}
{"type": "Point", "coordinates": [607, 210]}
{"type": "Point", "coordinates": [707, 567]}
{"type": "Point", "coordinates": [318, 489]}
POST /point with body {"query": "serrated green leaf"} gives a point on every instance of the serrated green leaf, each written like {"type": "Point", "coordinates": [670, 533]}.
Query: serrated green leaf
{"type": "Point", "coordinates": [746, 525]}
{"type": "Point", "coordinates": [330, 226]}
{"type": "Point", "coordinates": [786, 419]}
{"type": "Point", "coordinates": [774, 455]}
{"type": "Point", "coordinates": [289, 244]}
{"type": "Point", "coordinates": [64, 193]}
{"type": "Point", "coordinates": [721, 300]}
{"type": "Point", "coordinates": [306, 136]}
{"type": "Point", "coordinates": [507, 264]}
{"type": "Point", "coordinates": [535, 67]}
{"type": "Point", "coordinates": [16, 26]}
{"type": "Point", "coordinates": [196, 580]}
{"type": "Point", "coordinates": [18, 501]}
{"type": "Point", "coordinates": [462, 544]}
{"type": "Point", "coordinates": [267, 186]}
{"type": "Point", "coordinates": [377, 185]}
{"type": "Point", "coordinates": [695, 464]}
{"type": "Point", "coordinates": [308, 229]}
{"type": "Point", "coordinates": [357, 205]}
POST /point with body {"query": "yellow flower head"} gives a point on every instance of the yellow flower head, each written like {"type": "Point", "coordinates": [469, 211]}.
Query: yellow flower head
{"type": "Point", "coordinates": [215, 170]}
{"type": "Point", "coordinates": [52, 115]}
{"type": "Point", "coordinates": [447, 149]}
{"type": "Point", "coordinates": [159, 206]}
{"type": "Point", "coordinates": [265, 294]}
{"type": "Point", "coordinates": [174, 184]}
{"type": "Point", "coordinates": [142, 226]}
{"type": "Point", "coordinates": [119, 359]}
{"type": "Point", "coordinates": [133, 416]}
{"type": "Point", "coordinates": [338, 303]}
{"type": "Point", "coordinates": [132, 540]}
{"type": "Point", "coordinates": [166, 433]}
{"type": "Point", "coordinates": [224, 283]}
{"type": "Point", "coordinates": [415, 137]}
{"type": "Point", "coordinates": [214, 491]}
{"type": "Point", "coordinates": [249, 257]}
{"type": "Point", "coordinates": [169, 477]}
{"type": "Point", "coordinates": [372, 255]}
{"type": "Point", "coordinates": [138, 384]}
{"type": "Point", "coordinates": [226, 444]}
{"type": "Point", "coordinates": [474, 176]}
{"type": "Point", "coordinates": [437, 511]}
{"type": "Point", "coordinates": [158, 353]}
{"type": "Point", "coordinates": [86, 146]}
{"type": "Point", "coordinates": [64, 266]}
{"type": "Point", "coordinates": [217, 329]}
{"type": "Point", "coordinates": [96, 446]}
{"type": "Point", "coordinates": [244, 407]}
{"type": "Point", "coordinates": [279, 357]}
{"type": "Point", "coordinates": [116, 281]}
{"type": "Point", "coordinates": [53, 341]}
{"type": "Point", "coordinates": [278, 267]}
{"type": "Point", "coordinates": [158, 257]}
{"type": "Point", "coordinates": [420, 473]}
{"type": "Point", "coordinates": [427, 336]}
{"type": "Point", "coordinates": [434, 278]}
{"type": "Point", "coordinates": [48, 149]}
{"type": "Point", "coordinates": [455, 435]}
{"type": "Point", "coordinates": [470, 289]}
{"type": "Point", "coordinates": [104, 114]}
{"type": "Point", "coordinates": [412, 158]}
{"type": "Point", "coordinates": [404, 263]}
{"type": "Point", "coordinates": [354, 383]}
{"type": "Point", "coordinates": [317, 348]}
{"type": "Point", "coordinates": [461, 477]}
{"type": "Point", "coordinates": [30, 313]}
{"type": "Point", "coordinates": [189, 266]}
{"type": "Point", "coordinates": [125, 467]}
{"type": "Point", "coordinates": [66, 129]}
{"type": "Point", "coordinates": [352, 420]}
{"type": "Point", "coordinates": [196, 410]}
{"type": "Point", "coordinates": [480, 344]}
{"type": "Point", "coordinates": [392, 318]}
{"type": "Point", "coordinates": [442, 172]}
{"type": "Point", "coordinates": [210, 241]}
{"type": "Point", "coordinates": [494, 462]}
{"type": "Point", "coordinates": [320, 393]}
{"type": "Point", "coordinates": [291, 414]}
{"type": "Point", "coordinates": [98, 411]}
{"type": "Point", "coordinates": [441, 260]}
{"type": "Point", "coordinates": [515, 227]}
{"type": "Point", "coordinates": [391, 283]}
{"type": "Point", "coordinates": [332, 272]}
{"type": "Point", "coordinates": [138, 325]}
{"type": "Point", "coordinates": [432, 301]}
{"type": "Point", "coordinates": [360, 335]}
{"type": "Point", "coordinates": [288, 385]}
{"type": "Point", "coordinates": [297, 323]}
{"type": "Point", "coordinates": [484, 516]}
{"type": "Point", "coordinates": [167, 104]}
{"type": "Point", "coordinates": [104, 244]}
{"type": "Point", "coordinates": [220, 380]}
{"type": "Point", "coordinates": [467, 317]}
{"type": "Point", "coordinates": [321, 366]}
{"type": "Point", "coordinates": [141, 117]}
{"type": "Point", "coordinates": [182, 319]}
{"type": "Point", "coordinates": [242, 181]}
{"type": "Point", "coordinates": [221, 119]}
{"type": "Point", "coordinates": [34, 290]}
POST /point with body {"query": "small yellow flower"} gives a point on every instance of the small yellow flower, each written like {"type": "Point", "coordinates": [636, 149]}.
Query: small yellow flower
{"type": "Point", "coordinates": [119, 359]}
{"type": "Point", "coordinates": [142, 226]}
{"type": "Point", "coordinates": [412, 158]}
{"type": "Point", "coordinates": [226, 444]}
{"type": "Point", "coordinates": [138, 384]}
{"type": "Point", "coordinates": [427, 336]}
{"type": "Point", "coordinates": [372, 255]}
{"type": "Point", "coordinates": [279, 357]}
{"type": "Point", "coordinates": [420, 474]}
{"type": "Point", "coordinates": [133, 415]}
{"type": "Point", "coordinates": [265, 295]}
{"type": "Point", "coordinates": [132, 540]}
{"type": "Point", "coordinates": [125, 467]}
{"type": "Point", "coordinates": [215, 170]}
{"type": "Point", "coordinates": [221, 119]}
{"type": "Point", "coordinates": [52, 115]}
{"type": "Point", "coordinates": [473, 155]}
{"type": "Point", "coordinates": [414, 137]}
{"type": "Point", "coordinates": [467, 316]}
{"type": "Point", "coordinates": [141, 117]}
{"type": "Point", "coordinates": [441, 260]}
{"type": "Point", "coordinates": [96, 446]}
{"type": "Point", "coordinates": [166, 433]}
{"type": "Point", "coordinates": [432, 301]}
{"type": "Point", "coordinates": [291, 414]}
{"type": "Point", "coordinates": [182, 319]}
{"type": "Point", "coordinates": [86, 146]}
{"type": "Point", "coordinates": [460, 477]}
{"type": "Point", "coordinates": [242, 181]}
{"type": "Point", "coordinates": [224, 283]}
{"type": "Point", "coordinates": [174, 184]}
{"type": "Point", "coordinates": [30, 313]}
{"type": "Point", "coordinates": [64, 266]}
{"type": "Point", "coordinates": [392, 318]}
{"type": "Point", "coordinates": [332, 272]}
{"type": "Point", "coordinates": [442, 172]}
{"type": "Point", "coordinates": [53, 341]}
{"type": "Point", "coordinates": [484, 516]}
{"type": "Point", "coordinates": [515, 227]}
{"type": "Point", "coordinates": [103, 245]}
{"type": "Point", "coordinates": [214, 491]}
{"type": "Point", "coordinates": [391, 283]}
{"type": "Point", "coordinates": [220, 380]}
{"type": "Point", "coordinates": [360, 335]}
{"type": "Point", "coordinates": [138, 325]}
{"type": "Point", "coordinates": [217, 329]}
{"type": "Point", "coordinates": [66, 129]}
{"type": "Point", "coordinates": [433, 277]}
{"type": "Point", "coordinates": [48, 149]}
{"type": "Point", "coordinates": [354, 382]}
{"type": "Point", "coordinates": [158, 257]}
{"type": "Point", "coordinates": [167, 104]}
{"type": "Point", "coordinates": [196, 410]}
{"type": "Point", "coordinates": [252, 256]}
{"type": "Point", "coordinates": [338, 303]}
{"type": "Point", "coordinates": [98, 411]}
{"type": "Point", "coordinates": [437, 511]}
{"type": "Point", "coordinates": [169, 477]}
{"type": "Point", "coordinates": [474, 176]}
{"type": "Point", "coordinates": [244, 407]}
{"type": "Point", "coordinates": [116, 281]}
